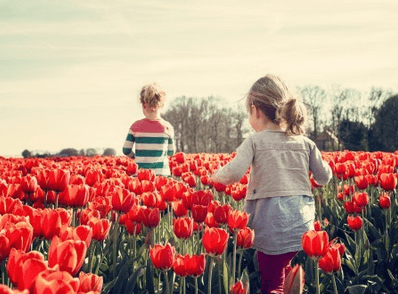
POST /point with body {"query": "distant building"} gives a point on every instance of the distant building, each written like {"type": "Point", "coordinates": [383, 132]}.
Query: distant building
{"type": "Point", "coordinates": [327, 141]}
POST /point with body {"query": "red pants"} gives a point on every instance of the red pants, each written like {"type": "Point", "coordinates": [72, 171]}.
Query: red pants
{"type": "Point", "coordinates": [273, 269]}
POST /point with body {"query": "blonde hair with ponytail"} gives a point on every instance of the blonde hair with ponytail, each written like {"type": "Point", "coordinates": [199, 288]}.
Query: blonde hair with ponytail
{"type": "Point", "coordinates": [153, 96]}
{"type": "Point", "coordinates": [271, 95]}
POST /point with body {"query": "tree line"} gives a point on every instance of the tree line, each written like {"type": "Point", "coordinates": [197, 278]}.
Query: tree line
{"type": "Point", "coordinates": [340, 118]}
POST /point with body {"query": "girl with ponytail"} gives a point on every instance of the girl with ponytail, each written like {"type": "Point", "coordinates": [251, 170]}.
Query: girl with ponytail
{"type": "Point", "coordinates": [279, 197]}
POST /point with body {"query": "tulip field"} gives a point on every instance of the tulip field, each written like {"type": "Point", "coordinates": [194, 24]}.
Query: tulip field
{"type": "Point", "coordinates": [98, 225]}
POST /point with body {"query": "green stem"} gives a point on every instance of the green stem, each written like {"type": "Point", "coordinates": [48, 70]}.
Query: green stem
{"type": "Point", "coordinates": [318, 289]}
{"type": "Point", "coordinates": [240, 263]}
{"type": "Point", "coordinates": [115, 238]}
{"type": "Point", "coordinates": [334, 284]}
{"type": "Point", "coordinates": [234, 259]}
{"type": "Point", "coordinates": [210, 275]}
{"type": "Point", "coordinates": [90, 257]}
{"type": "Point", "coordinates": [3, 272]}
{"type": "Point", "coordinates": [166, 276]}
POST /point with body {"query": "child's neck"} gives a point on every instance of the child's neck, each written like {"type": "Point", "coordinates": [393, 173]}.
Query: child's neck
{"type": "Point", "coordinates": [153, 115]}
{"type": "Point", "coordinates": [269, 126]}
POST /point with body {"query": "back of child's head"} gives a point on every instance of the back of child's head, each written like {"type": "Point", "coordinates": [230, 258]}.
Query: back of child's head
{"type": "Point", "coordinates": [271, 95]}
{"type": "Point", "coordinates": [152, 96]}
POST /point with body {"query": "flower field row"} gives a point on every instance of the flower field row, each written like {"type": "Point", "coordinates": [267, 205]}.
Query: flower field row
{"type": "Point", "coordinates": [99, 225]}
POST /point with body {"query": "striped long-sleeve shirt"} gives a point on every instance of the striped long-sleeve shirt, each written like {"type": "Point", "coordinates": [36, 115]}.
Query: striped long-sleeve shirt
{"type": "Point", "coordinates": [154, 142]}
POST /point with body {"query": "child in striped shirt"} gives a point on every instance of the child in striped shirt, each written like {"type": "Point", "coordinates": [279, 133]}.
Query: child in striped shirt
{"type": "Point", "coordinates": [153, 136]}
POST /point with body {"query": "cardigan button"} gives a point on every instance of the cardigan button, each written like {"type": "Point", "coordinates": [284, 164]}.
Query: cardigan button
{"type": "Point", "coordinates": [254, 191]}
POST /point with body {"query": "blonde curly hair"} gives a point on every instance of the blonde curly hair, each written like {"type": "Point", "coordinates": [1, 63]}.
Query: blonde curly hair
{"type": "Point", "coordinates": [152, 96]}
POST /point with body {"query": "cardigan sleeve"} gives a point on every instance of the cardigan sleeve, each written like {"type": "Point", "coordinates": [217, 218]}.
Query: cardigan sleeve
{"type": "Point", "coordinates": [237, 167]}
{"type": "Point", "coordinates": [128, 144]}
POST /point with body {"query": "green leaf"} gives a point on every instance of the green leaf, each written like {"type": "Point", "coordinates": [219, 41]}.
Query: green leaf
{"type": "Point", "coordinates": [149, 278]}
{"type": "Point", "coordinates": [356, 289]}
{"type": "Point", "coordinates": [225, 275]}
{"type": "Point", "coordinates": [245, 279]}
{"type": "Point", "coordinates": [133, 279]}
{"type": "Point", "coordinates": [109, 286]}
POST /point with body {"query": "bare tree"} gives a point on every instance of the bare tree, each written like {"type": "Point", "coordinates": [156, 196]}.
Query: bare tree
{"type": "Point", "coordinates": [314, 96]}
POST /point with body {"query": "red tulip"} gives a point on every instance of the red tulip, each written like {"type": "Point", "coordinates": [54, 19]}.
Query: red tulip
{"type": "Point", "coordinates": [162, 257]}
{"type": "Point", "coordinates": [80, 233]}
{"type": "Point", "coordinates": [123, 200]}
{"type": "Point", "coordinates": [238, 193]}
{"type": "Point", "coordinates": [29, 184]}
{"type": "Point", "coordinates": [23, 268]}
{"type": "Point", "coordinates": [58, 179]}
{"type": "Point", "coordinates": [9, 205]}
{"type": "Point", "coordinates": [195, 265]}
{"type": "Point", "coordinates": [6, 290]}
{"type": "Point", "coordinates": [69, 255]}
{"type": "Point", "coordinates": [19, 235]}
{"type": "Point", "coordinates": [237, 220]}
{"type": "Point", "coordinates": [151, 199]}
{"type": "Point", "coordinates": [146, 174]}
{"type": "Point", "coordinates": [150, 217]}
{"type": "Point", "coordinates": [354, 222]}
{"type": "Point", "coordinates": [189, 265]}
{"type": "Point", "coordinates": [183, 227]}
{"type": "Point", "coordinates": [4, 247]}
{"type": "Point", "coordinates": [215, 241]}
{"type": "Point", "coordinates": [92, 177]}
{"type": "Point", "coordinates": [210, 221]}
{"type": "Point", "coordinates": [384, 201]}
{"type": "Point", "coordinates": [102, 204]}
{"type": "Point", "coordinates": [147, 186]}
{"type": "Point", "coordinates": [221, 213]}
{"type": "Point", "coordinates": [74, 195]}
{"type": "Point", "coordinates": [331, 262]}
{"type": "Point", "coordinates": [245, 238]}
{"type": "Point", "coordinates": [361, 182]}
{"type": "Point", "coordinates": [15, 191]}
{"type": "Point", "coordinates": [179, 208]}
{"type": "Point", "coordinates": [132, 227]}
{"type": "Point", "coordinates": [317, 226]}
{"type": "Point", "coordinates": [388, 181]}
{"type": "Point", "coordinates": [55, 282]}
{"type": "Point", "coordinates": [315, 244]}
{"type": "Point", "coordinates": [53, 220]}
{"type": "Point", "coordinates": [132, 168]}
{"type": "Point", "coordinates": [239, 288]}
{"type": "Point", "coordinates": [179, 157]}
{"type": "Point", "coordinates": [294, 281]}
{"type": "Point", "coordinates": [90, 282]}
{"type": "Point", "coordinates": [100, 228]}
{"type": "Point", "coordinates": [87, 214]}
{"type": "Point", "coordinates": [361, 198]}
{"type": "Point", "coordinates": [219, 187]}
{"type": "Point", "coordinates": [199, 212]}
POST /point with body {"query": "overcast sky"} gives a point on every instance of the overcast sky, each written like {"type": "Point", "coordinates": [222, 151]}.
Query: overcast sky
{"type": "Point", "coordinates": [71, 71]}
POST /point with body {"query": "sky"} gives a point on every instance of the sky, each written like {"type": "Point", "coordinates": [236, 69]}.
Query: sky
{"type": "Point", "coordinates": [71, 71]}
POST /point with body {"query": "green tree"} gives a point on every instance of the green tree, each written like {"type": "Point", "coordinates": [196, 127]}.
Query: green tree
{"type": "Point", "coordinates": [383, 134]}
{"type": "Point", "coordinates": [353, 135]}
{"type": "Point", "coordinates": [109, 152]}
{"type": "Point", "coordinates": [68, 152]}
{"type": "Point", "coordinates": [26, 153]}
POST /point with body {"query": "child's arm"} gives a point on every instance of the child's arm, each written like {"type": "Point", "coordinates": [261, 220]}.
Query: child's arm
{"type": "Point", "coordinates": [128, 145]}
{"type": "Point", "coordinates": [171, 144]}
{"type": "Point", "coordinates": [237, 167]}
{"type": "Point", "coordinates": [319, 168]}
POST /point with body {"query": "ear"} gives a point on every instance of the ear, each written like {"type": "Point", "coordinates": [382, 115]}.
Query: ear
{"type": "Point", "coordinates": [257, 111]}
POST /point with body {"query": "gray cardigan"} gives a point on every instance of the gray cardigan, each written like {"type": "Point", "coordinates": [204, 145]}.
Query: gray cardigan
{"type": "Point", "coordinates": [280, 165]}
